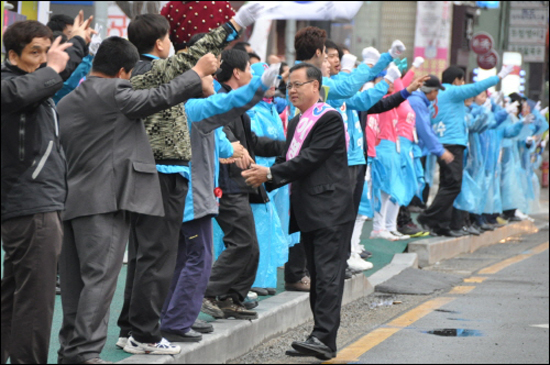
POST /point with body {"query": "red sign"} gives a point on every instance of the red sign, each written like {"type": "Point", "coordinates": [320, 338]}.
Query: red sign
{"type": "Point", "coordinates": [481, 43]}
{"type": "Point", "coordinates": [488, 61]}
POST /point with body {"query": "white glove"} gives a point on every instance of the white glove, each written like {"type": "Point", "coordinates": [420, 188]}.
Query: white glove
{"type": "Point", "coordinates": [487, 105]}
{"type": "Point", "coordinates": [248, 14]}
{"type": "Point", "coordinates": [96, 40]}
{"type": "Point", "coordinates": [397, 48]}
{"type": "Point", "coordinates": [512, 108]}
{"type": "Point", "coordinates": [418, 61]}
{"type": "Point", "coordinates": [370, 55]}
{"type": "Point", "coordinates": [537, 106]}
{"type": "Point", "coordinates": [544, 111]}
{"type": "Point", "coordinates": [505, 71]}
{"type": "Point", "coordinates": [348, 62]}
{"type": "Point", "coordinates": [529, 118]}
{"type": "Point", "coordinates": [393, 73]}
{"type": "Point", "coordinates": [270, 76]}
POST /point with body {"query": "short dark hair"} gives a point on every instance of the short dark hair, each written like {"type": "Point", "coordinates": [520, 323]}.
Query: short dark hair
{"type": "Point", "coordinates": [145, 29]}
{"type": "Point", "coordinates": [59, 22]}
{"type": "Point", "coordinates": [451, 73]}
{"type": "Point", "coordinates": [113, 54]}
{"type": "Point", "coordinates": [57, 33]}
{"type": "Point", "coordinates": [307, 41]}
{"type": "Point", "coordinates": [254, 55]}
{"type": "Point", "coordinates": [312, 72]}
{"type": "Point", "coordinates": [332, 45]}
{"type": "Point", "coordinates": [232, 59]}
{"type": "Point", "coordinates": [241, 46]}
{"type": "Point", "coordinates": [19, 34]}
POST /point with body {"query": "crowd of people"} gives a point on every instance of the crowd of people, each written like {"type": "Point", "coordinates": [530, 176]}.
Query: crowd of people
{"type": "Point", "coordinates": [215, 169]}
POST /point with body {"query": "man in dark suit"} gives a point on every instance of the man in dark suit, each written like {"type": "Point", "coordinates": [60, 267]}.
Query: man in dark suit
{"type": "Point", "coordinates": [111, 174]}
{"type": "Point", "coordinates": [315, 162]}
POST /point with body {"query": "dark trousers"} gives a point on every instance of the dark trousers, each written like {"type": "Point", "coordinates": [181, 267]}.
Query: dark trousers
{"type": "Point", "coordinates": [235, 270]}
{"type": "Point", "coordinates": [193, 268]}
{"type": "Point", "coordinates": [152, 252]}
{"type": "Point", "coordinates": [32, 245]}
{"type": "Point", "coordinates": [440, 214]}
{"type": "Point", "coordinates": [357, 178]}
{"type": "Point", "coordinates": [416, 202]}
{"type": "Point", "coordinates": [326, 254]}
{"type": "Point", "coordinates": [90, 261]}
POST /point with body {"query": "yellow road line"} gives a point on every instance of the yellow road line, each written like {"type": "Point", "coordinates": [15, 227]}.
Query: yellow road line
{"type": "Point", "coordinates": [540, 248]}
{"type": "Point", "coordinates": [475, 279]}
{"type": "Point", "coordinates": [461, 289]}
{"type": "Point", "coordinates": [352, 352]}
{"type": "Point", "coordinates": [493, 269]}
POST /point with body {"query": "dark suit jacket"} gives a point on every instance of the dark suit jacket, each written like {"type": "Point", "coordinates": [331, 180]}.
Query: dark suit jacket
{"type": "Point", "coordinates": [239, 129]}
{"type": "Point", "coordinates": [320, 195]}
{"type": "Point", "coordinates": [110, 161]}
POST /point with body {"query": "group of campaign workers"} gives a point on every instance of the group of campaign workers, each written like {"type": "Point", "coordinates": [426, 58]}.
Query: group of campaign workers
{"type": "Point", "coordinates": [217, 171]}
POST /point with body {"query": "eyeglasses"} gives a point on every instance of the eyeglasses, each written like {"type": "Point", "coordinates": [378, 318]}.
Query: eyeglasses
{"type": "Point", "coordinates": [297, 85]}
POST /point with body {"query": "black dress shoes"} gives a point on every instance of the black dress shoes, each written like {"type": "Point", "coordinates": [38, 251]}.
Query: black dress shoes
{"type": "Point", "coordinates": [191, 336]}
{"type": "Point", "coordinates": [314, 347]}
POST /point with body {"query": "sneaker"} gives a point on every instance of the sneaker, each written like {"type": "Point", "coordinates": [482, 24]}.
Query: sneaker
{"type": "Point", "coordinates": [411, 230]}
{"type": "Point", "coordinates": [252, 295]}
{"type": "Point", "coordinates": [400, 236]}
{"type": "Point", "coordinates": [122, 341]}
{"type": "Point", "coordinates": [365, 255]}
{"type": "Point", "coordinates": [502, 221]}
{"type": "Point", "coordinates": [202, 326]}
{"type": "Point", "coordinates": [385, 235]}
{"type": "Point", "coordinates": [160, 348]}
{"type": "Point", "coordinates": [356, 263]}
{"type": "Point", "coordinates": [348, 274]}
{"type": "Point", "coordinates": [236, 310]}
{"type": "Point", "coordinates": [523, 216]}
{"type": "Point", "coordinates": [210, 307]}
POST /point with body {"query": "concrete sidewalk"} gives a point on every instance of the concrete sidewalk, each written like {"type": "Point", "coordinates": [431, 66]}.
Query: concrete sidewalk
{"type": "Point", "coordinates": [232, 338]}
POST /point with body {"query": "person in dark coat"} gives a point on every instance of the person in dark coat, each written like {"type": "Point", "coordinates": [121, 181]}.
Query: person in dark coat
{"type": "Point", "coordinates": [33, 189]}
{"type": "Point", "coordinates": [315, 163]}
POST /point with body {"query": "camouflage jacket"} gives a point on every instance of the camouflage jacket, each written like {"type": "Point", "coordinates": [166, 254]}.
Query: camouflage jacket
{"type": "Point", "coordinates": [168, 130]}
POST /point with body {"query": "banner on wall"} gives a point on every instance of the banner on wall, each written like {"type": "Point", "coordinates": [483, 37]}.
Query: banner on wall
{"type": "Point", "coordinates": [432, 39]}
{"type": "Point", "coordinates": [310, 10]}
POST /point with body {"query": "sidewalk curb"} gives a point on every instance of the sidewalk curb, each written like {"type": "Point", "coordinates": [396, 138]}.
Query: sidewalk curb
{"type": "Point", "coordinates": [400, 262]}
{"type": "Point", "coordinates": [435, 249]}
{"type": "Point", "coordinates": [234, 338]}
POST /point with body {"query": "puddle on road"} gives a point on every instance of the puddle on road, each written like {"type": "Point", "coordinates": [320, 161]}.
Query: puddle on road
{"type": "Point", "coordinates": [454, 332]}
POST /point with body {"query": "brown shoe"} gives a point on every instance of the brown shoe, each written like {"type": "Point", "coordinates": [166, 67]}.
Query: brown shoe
{"type": "Point", "coordinates": [210, 307]}
{"type": "Point", "coordinates": [236, 310]}
{"type": "Point", "coordinates": [97, 360]}
{"type": "Point", "coordinates": [302, 285]}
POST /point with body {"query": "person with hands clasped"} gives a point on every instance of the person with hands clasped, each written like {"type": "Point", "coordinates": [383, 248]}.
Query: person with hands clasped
{"type": "Point", "coordinates": [33, 189]}
{"type": "Point", "coordinates": [315, 163]}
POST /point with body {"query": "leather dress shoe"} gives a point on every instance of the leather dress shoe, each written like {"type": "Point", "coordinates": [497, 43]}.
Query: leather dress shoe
{"type": "Point", "coordinates": [250, 304]}
{"type": "Point", "coordinates": [486, 227]}
{"type": "Point", "coordinates": [471, 230]}
{"type": "Point", "coordinates": [191, 336]}
{"type": "Point", "coordinates": [450, 233]}
{"type": "Point", "coordinates": [314, 347]}
{"type": "Point", "coordinates": [260, 291]}
{"type": "Point", "coordinates": [97, 360]}
{"type": "Point", "coordinates": [202, 326]}
{"type": "Point", "coordinates": [271, 291]}
{"type": "Point", "coordinates": [302, 285]}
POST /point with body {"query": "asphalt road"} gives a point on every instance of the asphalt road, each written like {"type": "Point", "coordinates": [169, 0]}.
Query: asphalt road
{"type": "Point", "coordinates": [498, 313]}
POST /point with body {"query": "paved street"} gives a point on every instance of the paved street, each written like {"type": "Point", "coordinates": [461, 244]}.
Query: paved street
{"type": "Point", "coordinates": [498, 313]}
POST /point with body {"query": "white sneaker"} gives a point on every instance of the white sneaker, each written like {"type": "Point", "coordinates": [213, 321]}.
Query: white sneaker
{"type": "Point", "coordinates": [400, 236]}
{"type": "Point", "coordinates": [523, 216]}
{"type": "Point", "coordinates": [122, 341]}
{"type": "Point", "coordinates": [164, 347]}
{"type": "Point", "coordinates": [383, 235]}
{"type": "Point", "coordinates": [252, 295]}
{"type": "Point", "coordinates": [358, 264]}
{"type": "Point", "coordinates": [125, 259]}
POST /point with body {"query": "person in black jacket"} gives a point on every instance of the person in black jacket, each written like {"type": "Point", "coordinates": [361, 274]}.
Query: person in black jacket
{"type": "Point", "coordinates": [235, 270]}
{"type": "Point", "coordinates": [33, 189]}
{"type": "Point", "coordinates": [315, 162]}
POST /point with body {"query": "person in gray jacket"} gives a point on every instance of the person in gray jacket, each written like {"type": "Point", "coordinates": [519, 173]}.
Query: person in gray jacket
{"type": "Point", "coordinates": [111, 174]}
{"type": "Point", "coordinates": [33, 189]}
